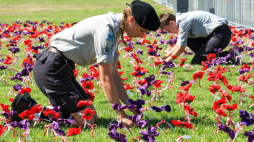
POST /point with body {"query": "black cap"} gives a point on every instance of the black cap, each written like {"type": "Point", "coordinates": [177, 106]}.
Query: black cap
{"type": "Point", "coordinates": [145, 15]}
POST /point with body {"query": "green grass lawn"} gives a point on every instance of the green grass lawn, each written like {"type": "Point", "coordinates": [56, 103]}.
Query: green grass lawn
{"type": "Point", "coordinates": [74, 11]}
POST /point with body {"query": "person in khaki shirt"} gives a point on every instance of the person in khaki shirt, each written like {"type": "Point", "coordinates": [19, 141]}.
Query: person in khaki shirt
{"type": "Point", "coordinates": [94, 39]}
{"type": "Point", "coordinates": [202, 32]}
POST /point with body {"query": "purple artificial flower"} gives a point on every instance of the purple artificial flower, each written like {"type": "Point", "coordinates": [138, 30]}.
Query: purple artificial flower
{"type": "Point", "coordinates": [157, 35]}
{"type": "Point", "coordinates": [140, 73]}
{"type": "Point", "coordinates": [12, 113]}
{"type": "Point", "coordinates": [149, 45]}
{"type": "Point", "coordinates": [69, 121]}
{"type": "Point", "coordinates": [250, 135]}
{"type": "Point", "coordinates": [14, 50]}
{"type": "Point", "coordinates": [95, 65]}
{"type": "Point", "coordinates": [138, 42]}
{"type": "Point", "coordinates": [60, 132]}
{"type": "Point", "coordinates": [117, 136]}
{"type": "Point", "coordinates": [24, 124]}
{"type": "Point", "coordinates": [183, 83]}
{"type": "Point", "coordinates": [28, 66]}
{"type": "Point", "coordinates": [218, 50]}
{"type": "Point", "coordinates": [24, 72]}
{"type": "Point", "coordinates": [150, 81]}
{"type": "Point", "coordinates": [163, 32]}
{"type": "Point", "coordinates": [150, 78]}
{"type": "Point", "coordinates": [113, 126]}
{"type": "Point", "coordinates": [168, 73]}
{"type": "Point", "coordinates": [226, 129]}
{"type": "Point", "coordinates": [150, 134]}
{"type": "Point", "coordinates": [251, 36]}
{"type": "Point", "coordinates": [157, 48]}
{"type": "Point", "coordinates": [136, 104]}
{"type": "Point", "coordinates": [17, 76]}
{"type": "Point", "coordinates": [3, 67]}
{"type": "Point", "coordinates": [144, 91]}
{"type": "Point", "coordinates": [167, 64]}
{"type": "Point", "coordinates": [15, 124]}
{"type": "Point", "coordinates": [56, 109]}
{"type": "Point", "coordinates": [153, 53]}
{"type": "Point", "coordinates": [246, 119]}
{"type": "Point", "coordinates": [139, 52]}
{"type": "Point", "coordinates": [242, 71]}
{"type": "Point", "coordinates": [166, 108]}
{"type": "Point", "coordinates": [135, 118]}
{"type": "Point", "coordinates": [41, 39]}
{"type": "Point", "coordinates": [251, 54]}
{"type": "Point", "coordinates": [156, 108]}
{"type": "Point", "coordinates": [130, 44]}
{"type": "Point", "coordinates": [55, 125]}
{"type": "Point", "coordinates": [142, 123]}
{"type": "Point", "coordinates": [17, 87]}
{"type": "Point", "coordinates": [118, 107]}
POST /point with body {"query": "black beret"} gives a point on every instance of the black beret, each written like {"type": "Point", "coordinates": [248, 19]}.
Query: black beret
{"type": "Point", "coordinates": [145, 15]}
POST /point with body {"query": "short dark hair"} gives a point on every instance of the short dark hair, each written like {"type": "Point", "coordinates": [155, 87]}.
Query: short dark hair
{"type": "Point", "coordinates": [165, 18]}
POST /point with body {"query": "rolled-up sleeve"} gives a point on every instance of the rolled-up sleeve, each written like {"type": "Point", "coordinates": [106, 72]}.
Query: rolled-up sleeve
{"type": "Point", "coordinates": [184, 29]}
{"type": "Point", "coordinates": [104, 44]}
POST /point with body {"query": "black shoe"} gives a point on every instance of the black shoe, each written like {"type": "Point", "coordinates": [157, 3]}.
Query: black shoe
{"type": "Point", "coordinates": [20, 104]}
{"type": "Point", "coordinates": [235, 57]}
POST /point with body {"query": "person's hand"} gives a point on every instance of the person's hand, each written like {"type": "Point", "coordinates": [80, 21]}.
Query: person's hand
{"type": "Point", "coordinates": [135, 111]}
{"type": "Point", "coordinates": [126, 120]}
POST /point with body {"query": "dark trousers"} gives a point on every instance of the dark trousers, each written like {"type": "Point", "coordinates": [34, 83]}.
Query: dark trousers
{"type": "Point", "coordinates": [53, 74]}
{"type": "Point", "coordinates": [219, 38]}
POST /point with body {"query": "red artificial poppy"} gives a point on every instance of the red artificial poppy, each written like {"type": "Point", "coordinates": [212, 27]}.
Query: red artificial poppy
{"type": "Point", "coordinates": [2, 130]}
{"type": "Point", "coordinates": [5, 108]}
{"type": "Point", "coordinates": [119, 65]}
{"type": "Point", "coordinates": [73, 131]}
{"type": "Point", "coordinates": [36, 109]}
{"type": "Point", "coordinates": [84, 103]}
{"type": "Point", "coordinates": [186, 88]}
{"type": "Point", "coordinates": [11, 99]}
{"type": "Point", "coordinates": [218, 103]}
{"type": "Point", "coordinates": [229, 108]}
{"type": "Point", "coordinates": [219, 69]}
{"type": "Point", "coordinates": [214, 88]}
{"type": "Point", "coordinates": [128, 49]}
{"type": "Point", "coordinates": [188, 98]}
{"type": "Point", "coordinates": [88, 113]}
{"type": "Point", "coordinates": [182, 124]}
{"type": "Point", "coordinates": [88, 85]}
{"type": "Point", "coordinates": [26, 115]}
{"type": "Point", "coordinates": [75, 72]}
{"type": "Point", "coordinates": [197, 75]}
{"type": "Point", "coordinates": [213, 77]}
{"type": "Point", "coordinates": [148, 41]}
{"type": "Point", "coordinates": [238, 88]}
{"type": "Point", "coordinates": [154, 41]}
{"type": "Point", "coordinates": [182, 61]}
{"type": "Point", "coordinates": [158, 83]}
{"type": "Point", "coordinates": [137, 59]}
{"type": "Point", "coordinates": [190, 110]}
{"type": "Point", "coordinates": [245, 66]}
{"type": "Point", "coordinates": [220, 111]}
{"type": "Point", "coordinates": [23, 90]}
{"type": "Point", "coordinates": [142, 82]}
{"type": "Point", "coordinates": [244, 78]}
{"type": "Point", "coordinates": [210, 56]}
{"type": "Point", "coordinates": [205, 67]}
{"type": "Point", "coordinates": [156, 63]}
{"type": "Point", "coordinates": [91, 95]}
{"type": "Point", "coordinates": [84, 75]}
{"type": "Point", "coordinates": [252, 97]}
{"type": "Point", "coordinates": [223, 94]}
{"type": "Point", "coordinates": [179, 98]}
{"type": "Point", "coordinates": [128, 87]}
{"type": "Point", "coordinates": [51, 113]}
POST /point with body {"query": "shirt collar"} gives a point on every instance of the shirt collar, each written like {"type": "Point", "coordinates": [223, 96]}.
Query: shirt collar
{"type": "Point", "coordinates": [178, 19]}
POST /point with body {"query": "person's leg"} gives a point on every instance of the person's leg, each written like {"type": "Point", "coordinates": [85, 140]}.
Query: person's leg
{"type": "Point", "coordinates": [79, 120]}
{"type": "Point", "coordinates": [218, 39]}
{"type": "Point", "coordinates": [82, 92]}
{"type": "Point", "coordinates": [195, 43]}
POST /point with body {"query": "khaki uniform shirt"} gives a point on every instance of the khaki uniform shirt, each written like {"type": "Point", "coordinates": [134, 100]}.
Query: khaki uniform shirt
{"type": "Point", "coordinates": [94, 39]}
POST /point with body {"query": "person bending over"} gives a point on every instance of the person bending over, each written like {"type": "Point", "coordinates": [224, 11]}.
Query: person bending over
{"type": "Point", "coordinates": [202, 32]}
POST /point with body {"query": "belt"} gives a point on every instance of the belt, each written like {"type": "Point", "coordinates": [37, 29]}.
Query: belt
{"type": "Point", "coordinates": [54, 50]}
{"type": "Point", "coordinates": [222, 27]}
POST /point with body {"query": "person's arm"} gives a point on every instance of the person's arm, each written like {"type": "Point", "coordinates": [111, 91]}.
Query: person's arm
{"type": "Point", "coordinates": [177, 52]}
{"type": "Point", "coordinates": [170, 52]}
{"type": "Point", "coordinates": [120, 87]}
{"type": "Point", "coordinates": [110, 90]}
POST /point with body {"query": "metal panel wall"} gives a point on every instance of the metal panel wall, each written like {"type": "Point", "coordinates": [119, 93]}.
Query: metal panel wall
{"type": "Point", "coordinates": [237, 12]}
